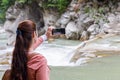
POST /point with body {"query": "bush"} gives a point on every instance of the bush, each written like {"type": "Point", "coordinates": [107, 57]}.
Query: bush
{"type": "Point", "coordinates": [60, 5]}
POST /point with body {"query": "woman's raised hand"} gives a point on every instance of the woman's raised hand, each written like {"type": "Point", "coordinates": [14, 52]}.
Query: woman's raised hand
{"type": "Point", "coordinates": [49, 32]}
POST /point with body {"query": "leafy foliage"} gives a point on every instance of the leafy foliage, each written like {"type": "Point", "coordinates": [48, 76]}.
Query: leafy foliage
{"type": "Point", "coordinates": [60, 5]}
{"type": "Point", "coordinates": [5, 4]}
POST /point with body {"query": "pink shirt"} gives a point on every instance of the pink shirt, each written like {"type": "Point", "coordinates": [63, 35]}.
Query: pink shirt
{"type": "Point", "coordinates": [37, 65]}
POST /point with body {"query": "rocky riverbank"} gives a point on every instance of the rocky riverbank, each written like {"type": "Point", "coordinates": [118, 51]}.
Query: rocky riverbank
{"type": "Point", "coordinates": [85, 20]}
{"type": "Point", "coordinates": [82, 20]}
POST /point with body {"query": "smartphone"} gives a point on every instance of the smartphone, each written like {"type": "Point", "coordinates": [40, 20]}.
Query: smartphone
{"type": "Point", "coordinates": [58, 31]}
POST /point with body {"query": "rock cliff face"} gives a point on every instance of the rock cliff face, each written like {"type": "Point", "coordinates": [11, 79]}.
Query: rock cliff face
{"type": "Point", "coordinates": [18, 13]}
{"type": "Point", "coordinates": [83, 19]}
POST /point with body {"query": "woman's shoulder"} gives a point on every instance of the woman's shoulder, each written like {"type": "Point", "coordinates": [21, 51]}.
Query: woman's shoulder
{"type": "Point", "coordinates": [35, 56]}
{"type": "Point", "coordinates": [36, 60]}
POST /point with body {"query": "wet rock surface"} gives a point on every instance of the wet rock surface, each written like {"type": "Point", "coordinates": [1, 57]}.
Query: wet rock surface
{"type": "Point", "coordinates": [101, 46]}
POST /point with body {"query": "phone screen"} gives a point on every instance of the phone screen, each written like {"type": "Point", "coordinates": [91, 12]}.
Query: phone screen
{"type": "Point", "coordinates": [58, 31]}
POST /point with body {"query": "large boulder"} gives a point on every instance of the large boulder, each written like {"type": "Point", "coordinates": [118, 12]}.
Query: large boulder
{"type": "Point", "coordinates": [18, 13]}
{"type": "Point", "coordinates": [72, 31]}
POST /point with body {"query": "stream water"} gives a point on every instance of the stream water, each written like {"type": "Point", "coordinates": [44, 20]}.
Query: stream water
{"type": "Point", "coordinates": [59, 53]}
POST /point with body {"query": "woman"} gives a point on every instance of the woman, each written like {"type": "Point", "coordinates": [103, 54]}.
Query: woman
{"type": "Point", "coordinates": [26, 64]}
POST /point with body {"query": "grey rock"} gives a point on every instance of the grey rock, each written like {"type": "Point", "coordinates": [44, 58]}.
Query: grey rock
{"type": "Point", "coordinates": [101, 22]}
{"type": "Point", "coordinates": [112, 18]}
{"type": "Point", "coordinates": [50, 19]}
{"type": "Point", "coordinates": [58, 24]}
{"type": "Point", "coordinates": [82, 17]}
{"type": "Point", "coordinates": [71, 31]}
{"type": "Point", "coordinates": [2, 30]}
{"type": "Point", "coordinates": [7, 25]}
{"type": "Point", "coordinates": [106, 27]}
{"type": "Point", "coordinates": [80, 27]}
{"type": "Point", "coordinates": [118, 18]}
{"type": "Point", "coordinates": [63, 26]}
{"type": "Point", "coordinates": [84, 36]}
{"type": "Point", "coordinates": [92, 36]}
{"type": "Point", "coordinates": [73, 15]}
{"type": "Point", "coordinates": [112, 28]}
{"type": "Point", "coordinates": [92, 28]}
{"type": "Point", "coordinates": [72, 5]}
{"type": "Point", "coordinates": [65, 18]}
{"type": "Point", "coordinates": [22, 16]}
{"type": "Point", "coordinates": [118, 9]}
{"type": "Point", "coordinates": [87, 22]}
{"type": "Point", "coordinates": [12, 13]}
{"type": "Point", "coordinates": [11, 39]}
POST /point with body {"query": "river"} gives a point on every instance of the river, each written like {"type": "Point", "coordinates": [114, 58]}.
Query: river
{"type": "Point", "coordinates": [99, 59]}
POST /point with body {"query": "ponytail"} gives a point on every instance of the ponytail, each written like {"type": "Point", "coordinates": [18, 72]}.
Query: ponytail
{"type": "Point", "coordinates": [19, 60]}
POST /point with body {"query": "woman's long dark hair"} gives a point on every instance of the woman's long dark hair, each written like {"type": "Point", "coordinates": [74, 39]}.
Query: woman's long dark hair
{"type": "Point", "coordinates": [23, 42]}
